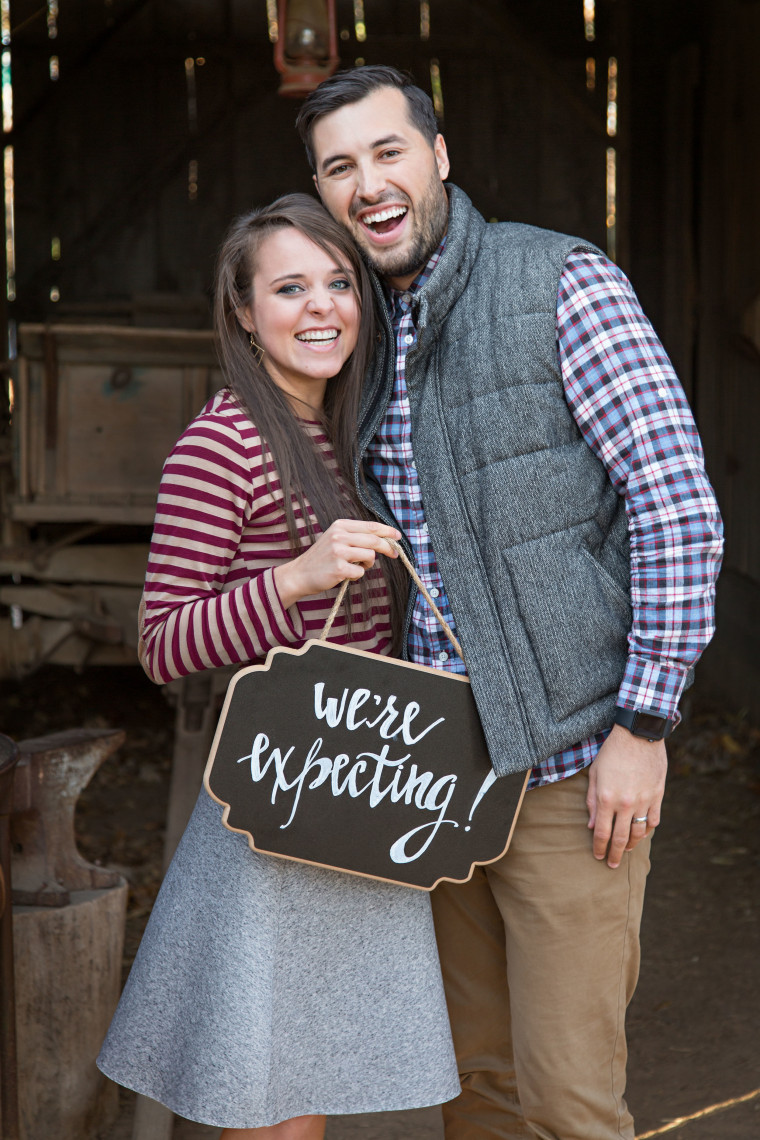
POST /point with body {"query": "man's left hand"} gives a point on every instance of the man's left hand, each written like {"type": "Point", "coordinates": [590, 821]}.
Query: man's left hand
{"type": "Point", "coordinates": [626, 786]}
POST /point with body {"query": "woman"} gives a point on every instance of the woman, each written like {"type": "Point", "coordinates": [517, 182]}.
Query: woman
{"type": "Point", "coordinates": [267, 993]}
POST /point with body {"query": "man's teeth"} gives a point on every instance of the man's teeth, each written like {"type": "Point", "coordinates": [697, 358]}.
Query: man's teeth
{"type": "Point", "coordinates": [384, 215]}
{"type": "Point", "coordinates": [318, 334]}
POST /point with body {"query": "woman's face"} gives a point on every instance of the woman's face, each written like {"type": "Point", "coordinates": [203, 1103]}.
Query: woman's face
{"type": "Point", "coordinates": [304, 314]}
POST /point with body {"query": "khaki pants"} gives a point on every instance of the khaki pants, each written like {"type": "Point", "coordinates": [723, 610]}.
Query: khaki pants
{"type": "Point", "coordinates": [540, 957]}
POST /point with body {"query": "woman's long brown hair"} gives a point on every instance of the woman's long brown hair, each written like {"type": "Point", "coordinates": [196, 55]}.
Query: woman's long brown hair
{"type": "Point", "coordinates": [298, 465]}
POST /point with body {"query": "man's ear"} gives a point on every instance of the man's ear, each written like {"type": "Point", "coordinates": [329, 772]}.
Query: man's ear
{"type": "Point", "coordinates": [315, 180]}
{"type": "Point", "coordinates": [441, 157]}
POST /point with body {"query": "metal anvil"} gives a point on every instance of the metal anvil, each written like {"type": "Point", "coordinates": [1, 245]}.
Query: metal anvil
{"type": "Point", "coordinates": [50, 774]}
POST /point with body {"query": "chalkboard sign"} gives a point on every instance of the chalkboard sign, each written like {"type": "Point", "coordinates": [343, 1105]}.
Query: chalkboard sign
{"type": "Point", "coordinates": [362, 763]}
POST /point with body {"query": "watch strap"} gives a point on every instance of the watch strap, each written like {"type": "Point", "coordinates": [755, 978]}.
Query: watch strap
{"type": "Point", "coordinates": [644, 723]}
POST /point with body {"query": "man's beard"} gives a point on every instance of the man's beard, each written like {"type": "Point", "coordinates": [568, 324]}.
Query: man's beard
{"type": "Point", "coordinates": [431, 215]}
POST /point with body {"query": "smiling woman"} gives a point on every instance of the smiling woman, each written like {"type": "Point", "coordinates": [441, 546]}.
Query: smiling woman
{"type": "Point", "coordinates": [282, 272]}
{"type": "Point", "coordinates": [268, 993]}
{"type": "Point", "coordinates": [304, 314]}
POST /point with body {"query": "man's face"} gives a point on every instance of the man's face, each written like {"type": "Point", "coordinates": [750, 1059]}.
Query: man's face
{"type": "Point", "coordinates": [379, 177]}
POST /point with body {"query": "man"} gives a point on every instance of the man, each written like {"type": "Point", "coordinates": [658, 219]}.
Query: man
{"type": "Point", "coordinates": [523, 427]}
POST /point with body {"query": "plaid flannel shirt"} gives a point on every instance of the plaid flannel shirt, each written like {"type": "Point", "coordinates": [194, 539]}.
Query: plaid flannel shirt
{"type": "Point", "coordinates": [633, 414]}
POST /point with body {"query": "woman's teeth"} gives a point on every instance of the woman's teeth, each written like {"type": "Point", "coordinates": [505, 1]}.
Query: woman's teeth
{"type": "Point", "coordinates": [318, 334]}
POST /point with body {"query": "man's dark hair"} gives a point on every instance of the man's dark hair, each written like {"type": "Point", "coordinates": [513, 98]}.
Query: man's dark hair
{"type": "Point", "coordinates": [346, 87]}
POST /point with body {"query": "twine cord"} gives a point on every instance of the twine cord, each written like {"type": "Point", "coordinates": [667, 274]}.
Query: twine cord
{"type": "Point", "coordinates": [420, 586]}
{"type": "Point", "coordinates": [336, 606]}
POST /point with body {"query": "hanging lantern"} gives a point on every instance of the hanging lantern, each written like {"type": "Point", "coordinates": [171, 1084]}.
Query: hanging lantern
{"type": "Point", "coordinates": [306, 51]}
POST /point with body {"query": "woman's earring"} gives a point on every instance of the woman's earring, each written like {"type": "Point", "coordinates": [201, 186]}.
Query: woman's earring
{"type": "Point", "coordinates": [258, 349]}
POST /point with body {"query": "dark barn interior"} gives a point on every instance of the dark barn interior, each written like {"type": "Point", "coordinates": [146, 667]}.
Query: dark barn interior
{"type": "Point", "coordinates": [133, 132]}
{"type": "Point", "coordinates": [165, 120]}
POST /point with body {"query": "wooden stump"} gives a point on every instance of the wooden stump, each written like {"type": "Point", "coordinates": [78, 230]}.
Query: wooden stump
{"type": "Point", "coordinates": [68, 967]}
{"type": "Point", "coordinates": [68, 939]}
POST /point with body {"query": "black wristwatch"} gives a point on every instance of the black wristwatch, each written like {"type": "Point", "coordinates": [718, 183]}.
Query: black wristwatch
{"type": "Point", "coordinates": [642, 722]}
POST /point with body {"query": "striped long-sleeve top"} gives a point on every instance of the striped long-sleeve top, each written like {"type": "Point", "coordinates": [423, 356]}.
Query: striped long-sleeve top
{"type": "Point", "coordinates": [210, 596]}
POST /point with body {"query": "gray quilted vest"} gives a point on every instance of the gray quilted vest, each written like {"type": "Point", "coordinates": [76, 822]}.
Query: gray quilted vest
{"type": "Point", "coordinates": [530, 535]}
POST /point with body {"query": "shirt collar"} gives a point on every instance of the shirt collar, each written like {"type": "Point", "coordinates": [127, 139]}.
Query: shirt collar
{"type": "Point", "coordinates": [399, 298]}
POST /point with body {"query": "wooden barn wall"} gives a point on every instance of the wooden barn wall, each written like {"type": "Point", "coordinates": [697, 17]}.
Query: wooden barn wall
{"type": "Point", "coordinates": [695, 262]}
{"type": "Point", "coordinates": [727, 370]}
{"type": "Point", "coordinates": [102, 163]}
{"type": "Point", "coordinates": [102, 156]}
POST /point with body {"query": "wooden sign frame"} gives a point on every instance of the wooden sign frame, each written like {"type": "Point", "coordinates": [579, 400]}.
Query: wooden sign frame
{"type": "Point", "coordinates": [432, 783]}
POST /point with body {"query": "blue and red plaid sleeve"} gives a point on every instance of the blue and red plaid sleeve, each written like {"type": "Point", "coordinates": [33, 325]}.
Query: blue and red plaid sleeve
{"type": "Point", "coordinates": [633, 413]}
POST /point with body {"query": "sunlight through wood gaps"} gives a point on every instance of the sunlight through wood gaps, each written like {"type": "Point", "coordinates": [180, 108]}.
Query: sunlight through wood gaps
{"type": "Point", "coordinates": [424, 20]}
{"type": "Point", "coordinates": [360, 26]}
{"type": "Point", "coordinates": [436, 87]}
{"type": "Point", "coordinates": [7, 92]}
{"type": "Point", "coordinates": [611, 198]}
{"type": "Point", "coordinates": [10, 228]}
{"type": "Point", "coordinates": [612, 95]}
{"type": "Point", "coordinates": [52, 19]}
{"type": "Point", "coordinates": [273, 25]}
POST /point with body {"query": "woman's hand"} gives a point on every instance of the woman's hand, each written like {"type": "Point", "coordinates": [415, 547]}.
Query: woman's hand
{"type": "Point", "coordinates": [346, 550]}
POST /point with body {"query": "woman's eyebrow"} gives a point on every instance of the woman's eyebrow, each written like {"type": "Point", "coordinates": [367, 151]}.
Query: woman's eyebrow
{"type": "Point", "coordinates": [302, 276]}
{"type": "Point", "coordinates": [287, 277]}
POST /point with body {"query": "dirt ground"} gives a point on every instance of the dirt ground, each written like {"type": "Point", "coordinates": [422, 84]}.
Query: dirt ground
{"type": "Point", "coordinates": [693, 1025]}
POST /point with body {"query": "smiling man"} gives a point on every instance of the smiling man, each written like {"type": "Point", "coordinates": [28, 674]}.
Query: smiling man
{"type": "Point", "coordinates": [395, 206]}
{"type": "Point", "coordinates": [523, 427]}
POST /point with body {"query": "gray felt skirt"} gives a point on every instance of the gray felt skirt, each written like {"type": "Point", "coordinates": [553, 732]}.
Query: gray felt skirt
{"type": "Point", "coordinates": [265, 989]}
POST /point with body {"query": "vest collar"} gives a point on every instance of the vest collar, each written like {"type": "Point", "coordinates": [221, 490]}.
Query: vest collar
{"type": "Point", "coordinates": [448, 280]}
{"type": "Point", "coordinates": [430, 307]}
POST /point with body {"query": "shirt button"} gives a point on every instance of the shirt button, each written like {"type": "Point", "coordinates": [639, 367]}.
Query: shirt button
{"type": "Point", "coordinates": [406, 297]}
{"type": "Point", "coordinates": [408, 339]}
{"type": "Point", "coordinates": [443, 655]}
{"type": "Point", "coordinates": [424, 528]}
{"type": "Point", "coordinates": [413, 464]}
{"type": "Point", "coordinates": [433, 592]}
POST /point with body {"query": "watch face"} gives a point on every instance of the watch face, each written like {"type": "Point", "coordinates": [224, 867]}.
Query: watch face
{"type": "Point", "coordinates": [650, 726]}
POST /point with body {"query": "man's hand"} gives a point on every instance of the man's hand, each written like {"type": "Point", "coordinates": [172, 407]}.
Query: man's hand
{"type": "Point", "coordinates": [626, 783]}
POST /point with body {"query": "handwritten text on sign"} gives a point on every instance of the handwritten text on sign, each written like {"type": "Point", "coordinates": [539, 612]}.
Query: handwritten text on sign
{"type": "Point", "coordinates": [359, 762]}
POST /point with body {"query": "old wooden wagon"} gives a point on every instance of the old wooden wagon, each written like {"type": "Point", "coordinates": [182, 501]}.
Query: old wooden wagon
{"type": "Point", "coordinates": [94, 411]}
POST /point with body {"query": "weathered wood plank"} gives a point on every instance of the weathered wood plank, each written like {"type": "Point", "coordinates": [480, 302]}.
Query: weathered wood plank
{"type": "Point", "coordinates": [43, 510]}
{"type": "Point", "coordinates": [83, 343]}
{"type": "Point", "coordinates": [118, 565]}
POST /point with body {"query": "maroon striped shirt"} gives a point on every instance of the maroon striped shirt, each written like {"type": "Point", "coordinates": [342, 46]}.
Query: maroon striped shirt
{"type": "Point", "coordinates": [210, 597]}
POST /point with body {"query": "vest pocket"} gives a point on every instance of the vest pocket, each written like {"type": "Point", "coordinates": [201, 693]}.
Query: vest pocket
{"type": "Point", "coordinates": [575, 618]}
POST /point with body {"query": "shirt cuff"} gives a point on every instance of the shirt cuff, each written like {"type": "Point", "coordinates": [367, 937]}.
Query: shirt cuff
{"type": "Point", "coordinates": [652, 685]}
{"type": "Point", "coordinates": [286, 627]}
